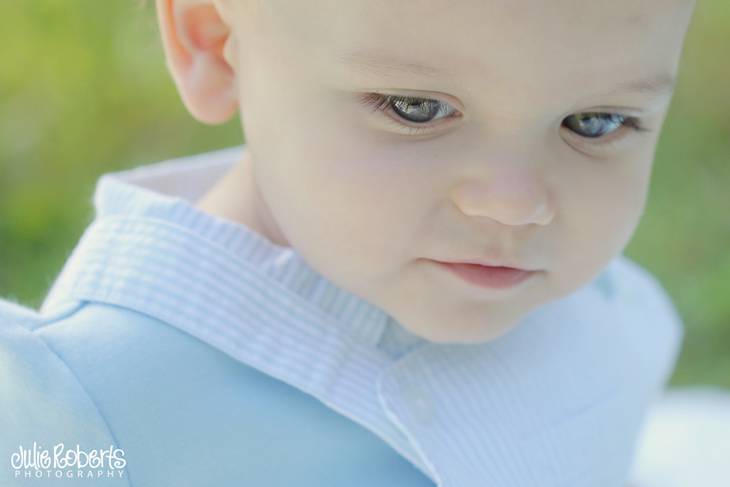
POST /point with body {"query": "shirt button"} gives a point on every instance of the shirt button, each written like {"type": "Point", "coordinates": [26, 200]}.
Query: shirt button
{"type": "Point", "coordinates": [420, 402]}
{"type": "Point", "coordinates": [605, 285]}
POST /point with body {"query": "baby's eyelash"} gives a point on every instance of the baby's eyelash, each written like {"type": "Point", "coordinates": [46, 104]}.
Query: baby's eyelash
{"type": "Point", "coordinates": [382, 102]}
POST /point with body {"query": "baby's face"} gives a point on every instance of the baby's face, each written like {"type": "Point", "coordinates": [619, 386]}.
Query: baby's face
{"type": "Point", "coordinates": [384, 135]}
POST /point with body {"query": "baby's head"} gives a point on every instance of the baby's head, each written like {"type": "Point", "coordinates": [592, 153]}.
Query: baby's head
{"type": "Point", "coordinates": [384, 135]}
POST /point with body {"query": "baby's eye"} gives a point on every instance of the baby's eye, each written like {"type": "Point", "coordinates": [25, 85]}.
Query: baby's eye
{"type": "Point", "coordinates": [419, 111]}
{"type": "Point", "coordinates": [594, 125]}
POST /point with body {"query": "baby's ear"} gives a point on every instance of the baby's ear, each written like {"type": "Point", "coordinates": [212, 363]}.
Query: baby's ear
{"type": "Point", "coordinates": [197, 46]}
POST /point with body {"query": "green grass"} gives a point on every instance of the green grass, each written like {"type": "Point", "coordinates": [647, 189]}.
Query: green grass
{"type": "Point", "coordinates": [84, 90]}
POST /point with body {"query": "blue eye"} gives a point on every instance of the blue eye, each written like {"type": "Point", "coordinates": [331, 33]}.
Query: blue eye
{"type": "Point", "coordinates": [420, 111]}
{"type": "Point", "coordinates": [410, 109]}
{"type": "Point", "coordinates": [594, 125]}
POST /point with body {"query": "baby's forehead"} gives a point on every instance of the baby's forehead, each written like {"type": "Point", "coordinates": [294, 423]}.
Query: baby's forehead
{"type": "Point", "coordinates": [464, 36]}
{"type": "Point", "coordinates": [474, 18]}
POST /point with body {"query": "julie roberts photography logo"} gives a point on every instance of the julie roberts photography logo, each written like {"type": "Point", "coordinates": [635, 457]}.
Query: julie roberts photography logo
{"type": "Point", "coordinates": [62, 462]}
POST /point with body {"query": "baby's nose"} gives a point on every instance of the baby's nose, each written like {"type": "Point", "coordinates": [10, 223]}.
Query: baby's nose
{"type": "Point", "coordinates": [509, 198]}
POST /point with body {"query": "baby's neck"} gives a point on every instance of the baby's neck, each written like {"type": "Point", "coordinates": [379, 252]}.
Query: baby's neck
{"type": "Point", "coordinates": [233, 197]}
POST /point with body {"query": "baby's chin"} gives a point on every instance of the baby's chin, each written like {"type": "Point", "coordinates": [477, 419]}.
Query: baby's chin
{"type": "Point", "coordinates": [464, 329]}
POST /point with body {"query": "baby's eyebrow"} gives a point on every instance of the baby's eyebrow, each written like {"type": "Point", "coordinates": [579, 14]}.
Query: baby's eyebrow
{"type": "Point", "coordinates": [384, 64]}
{"type": "Point", "coordinates": [661, 83]}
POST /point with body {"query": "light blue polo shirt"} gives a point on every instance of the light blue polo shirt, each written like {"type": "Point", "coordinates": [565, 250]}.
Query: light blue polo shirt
{"type": "Point", "coordinates": [194, 351]}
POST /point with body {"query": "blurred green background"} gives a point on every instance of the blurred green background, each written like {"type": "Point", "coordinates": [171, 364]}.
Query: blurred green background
{"type": "Point", "coordinates": [84, 90]}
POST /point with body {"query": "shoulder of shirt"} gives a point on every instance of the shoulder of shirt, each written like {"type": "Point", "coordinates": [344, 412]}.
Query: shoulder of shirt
{"type": "Point", "coordinates": [15, 312]}
{"type": "Point", "coordinates": [41, 398]}
{"type": "Point", "coordinates": [652, 323]}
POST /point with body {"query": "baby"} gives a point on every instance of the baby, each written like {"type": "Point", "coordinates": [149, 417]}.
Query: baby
{"type": "Point", "coordinates": [410, 275]}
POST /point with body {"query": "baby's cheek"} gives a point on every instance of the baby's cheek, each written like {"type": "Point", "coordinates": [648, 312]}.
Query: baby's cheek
{"type": "Point", "coordinates": [589, 234]}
